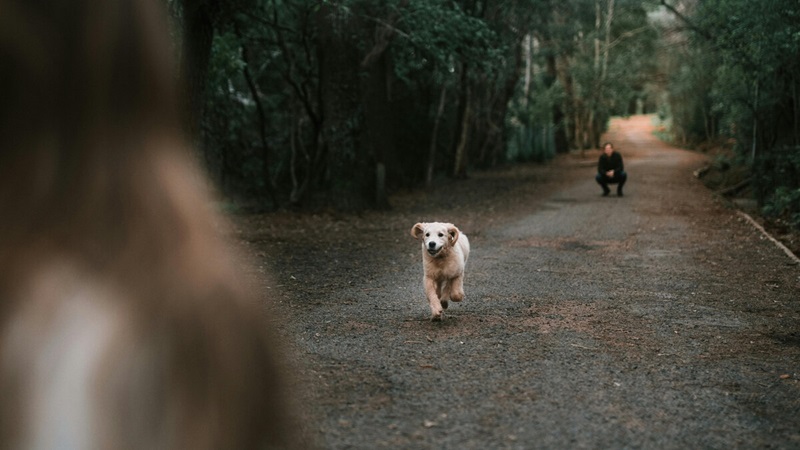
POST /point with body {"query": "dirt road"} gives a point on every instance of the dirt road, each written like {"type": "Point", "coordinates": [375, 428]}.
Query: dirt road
{"type": "Point", "coordinates": [656, 320]}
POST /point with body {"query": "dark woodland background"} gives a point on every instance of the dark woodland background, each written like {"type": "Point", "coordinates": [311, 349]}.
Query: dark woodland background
{"type": "Point", "coordinates": [337, 104]}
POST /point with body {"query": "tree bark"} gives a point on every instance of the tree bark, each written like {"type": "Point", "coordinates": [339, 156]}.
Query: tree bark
{"type": "Point", "coordinates": [266, 152]}
{"type": "Point", "coordinates": [296, 146]}
{"type": "Point", "coordinates": [350, 177]}
{"type": "Point", "coordinates": [597, 24]}
{"type": "Point", "coordinates": [434, 137]}
{"type": "Point", "coordinates": [795, 111]}
{"type": "Point", "coordinates": [607, 48]}
{"type": "Point", "coordinates": [379, 122]}
{"type": "Point", "coordinates": [560, 138]}
{"type": "Point", "coordinates": [460, 165]}
{"type": "Point", "coordinates": [570, 132]}
{"type": "Point", "coordinates": [198, 35]}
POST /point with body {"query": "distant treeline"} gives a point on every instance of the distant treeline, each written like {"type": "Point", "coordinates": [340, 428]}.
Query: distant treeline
{"type": "Point", "coordinates": [339, 103]}
{"type": "Point", "coordinates": [734, 76]}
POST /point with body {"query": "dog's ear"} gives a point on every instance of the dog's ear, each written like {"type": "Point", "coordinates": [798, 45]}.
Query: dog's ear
{"type": "Point", "coordinates": [453, 232]}
{"type": "Point", "coordinates": [417, 230]}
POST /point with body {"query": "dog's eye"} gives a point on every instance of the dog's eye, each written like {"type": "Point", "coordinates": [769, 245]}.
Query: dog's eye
{"type": "Point", "coordinates": [427, 235]}
{"type": "Point", "coordinates": [441, 234]}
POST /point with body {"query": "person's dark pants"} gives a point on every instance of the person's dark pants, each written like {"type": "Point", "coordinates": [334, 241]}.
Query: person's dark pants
{"type": "Point", "coordinates": [619, 179]}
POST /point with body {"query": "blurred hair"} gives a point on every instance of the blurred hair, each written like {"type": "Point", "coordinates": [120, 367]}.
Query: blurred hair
{"type": "Point", "coordinates": [125, 321]}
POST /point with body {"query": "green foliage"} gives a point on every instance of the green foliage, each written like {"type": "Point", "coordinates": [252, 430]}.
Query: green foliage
{"type": "Point", "coordinates": [691, 109]}
{"type": "Point", "coordinates": [605, 52]}
{"type": "Point", "coordinates": [784, 203]}
{"type": "Point", "coordinates": [271, 32]}
{"type": "Point", "coordinates": [230, 129]}
{"type": "Point", "coordinates": [530, 122]}
{"type": "Point", "coordinates": [435, 36]}
{"type": "Point", "coordinates": [268, 121]}
{"type": "Point", "coordinates": [429, 43]}
{"type": "Point", "coordinates": [757, 47]}
{"type": "Point", "coordinates": [779, 180]}
{"type": "Point", "coordinates": [741, 70]}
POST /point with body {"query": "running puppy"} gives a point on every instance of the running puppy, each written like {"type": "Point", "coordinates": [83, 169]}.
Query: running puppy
{"type": "Point", "coordinates": [444, 254]}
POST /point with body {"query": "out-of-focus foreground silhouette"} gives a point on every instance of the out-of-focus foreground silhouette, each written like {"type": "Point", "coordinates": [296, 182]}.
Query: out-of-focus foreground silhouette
{"type": "Point", "coordinates": [124, 321]}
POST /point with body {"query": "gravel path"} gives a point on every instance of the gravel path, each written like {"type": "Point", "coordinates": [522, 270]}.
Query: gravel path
{"type": "Point", "coordinates": [658, 320]}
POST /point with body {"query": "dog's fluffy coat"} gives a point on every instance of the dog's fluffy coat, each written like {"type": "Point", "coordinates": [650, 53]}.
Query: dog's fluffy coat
{"type": "Point", "coordinates": [445, 250]}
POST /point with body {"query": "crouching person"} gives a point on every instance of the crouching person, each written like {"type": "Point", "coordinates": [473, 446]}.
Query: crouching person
{"type": "Point", "coordinates": [611, 170]}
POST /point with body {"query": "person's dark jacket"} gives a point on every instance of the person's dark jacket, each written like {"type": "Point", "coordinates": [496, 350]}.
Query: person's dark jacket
{"type": "Point", "coordinates": [613, 162]}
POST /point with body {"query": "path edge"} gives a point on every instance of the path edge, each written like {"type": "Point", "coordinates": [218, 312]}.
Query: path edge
{"type": "Point", "coordinates": [764, 232]}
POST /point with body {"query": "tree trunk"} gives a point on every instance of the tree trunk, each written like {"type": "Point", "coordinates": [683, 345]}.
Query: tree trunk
{"type": "Point", "coordinates": [296, 145]}
{"type": "Point", "coordinates": [460, 165]}
{"type": "Point", "coordinates": [266, 159]}
{"type": "Point", "coordinates": [527, 49]}
{"type": "Point", "coordinates": [589, 136]}
{"type": "Point", "coordinates": [198, 35]}
{"type": "Point", "coordinates": [434, 137]}
{"type": "Point", "coordinates": [607, 49]}
{"type": "Point", "coordinates": [561, 141]}
{"type": "Point", "coordinates": [578, 122]}
{"type": "Point", "coordinates": [378, 122]}
{"type": "Point", "coordinates": [569, 129]}
{"type": "Point", "coordinates": [497, 138]}
{"type": "Point", "coordinates": [795, 112]}
{"type": "Point", "coordinates": [350, 176]}
{"type": "Point", "coordinates": [597, 23]}
{"type": "Point", "coordinates": [755, 126]}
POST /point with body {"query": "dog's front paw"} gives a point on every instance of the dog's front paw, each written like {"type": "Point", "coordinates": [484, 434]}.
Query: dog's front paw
{"type": "Point", "coordinates": [457, 296]}
{"type": "Point", "coordinates": [437, 316]}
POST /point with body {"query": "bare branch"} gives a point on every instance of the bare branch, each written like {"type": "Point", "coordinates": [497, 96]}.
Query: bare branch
{"type": "Point", "coordinates": [626, 35]}
{"type": "Point", "coordinates": [383, 36]}
{"type": "Point", "coordinates": [686, 20]}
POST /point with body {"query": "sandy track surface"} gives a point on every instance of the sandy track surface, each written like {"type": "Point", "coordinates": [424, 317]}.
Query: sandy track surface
{"type": "Point", "coordinates": [656, 320]}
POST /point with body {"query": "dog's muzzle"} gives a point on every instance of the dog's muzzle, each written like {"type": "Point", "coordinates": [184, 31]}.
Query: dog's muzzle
{"type": "Point", "coordinates": [432, 250]}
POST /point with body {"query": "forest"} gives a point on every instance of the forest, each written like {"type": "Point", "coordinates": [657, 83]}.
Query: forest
{"type": "Point", "coordinates": [338, 104]}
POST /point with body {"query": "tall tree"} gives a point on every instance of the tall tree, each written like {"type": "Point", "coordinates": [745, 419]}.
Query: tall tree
{"type": "Point", "coordinates": [197, 37]}
{"type": "Point", "coordinates": [753, 90]}
{"type": "Point", "coordinates": [335, 103]}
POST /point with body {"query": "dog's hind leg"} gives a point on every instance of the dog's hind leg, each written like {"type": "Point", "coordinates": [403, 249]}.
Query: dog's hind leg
{"type": "Point", "coordinates": [432, 290]}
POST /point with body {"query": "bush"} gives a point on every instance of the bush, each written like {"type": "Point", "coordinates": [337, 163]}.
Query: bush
{"type": "Point", "coordinates": [778, 185]}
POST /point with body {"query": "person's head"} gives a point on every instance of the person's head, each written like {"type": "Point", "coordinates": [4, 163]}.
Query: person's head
{"type": "Point", "coordinates": [608, 148]}
{"type": "Point", "coordinates": [101, 200]}
{"type": "Point", "coordinates": [88, 101]}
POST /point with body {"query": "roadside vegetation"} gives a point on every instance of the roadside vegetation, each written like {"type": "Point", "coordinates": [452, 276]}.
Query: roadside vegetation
{"type": "Point", "coordinates": [734, 91]}
{"type": "Point", "coordinates": [338, 104]}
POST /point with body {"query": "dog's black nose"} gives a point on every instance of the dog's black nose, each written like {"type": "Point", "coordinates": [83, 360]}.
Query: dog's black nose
{"type": "Point", "coordinates": [431, 244]}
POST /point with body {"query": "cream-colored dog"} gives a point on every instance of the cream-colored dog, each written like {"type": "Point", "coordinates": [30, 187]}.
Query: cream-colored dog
{"type": "Point", "coordinates": [444, 254]}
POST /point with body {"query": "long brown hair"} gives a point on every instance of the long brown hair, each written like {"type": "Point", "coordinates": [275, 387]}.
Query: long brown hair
{"type": "Point", "coordinates": [97, 188]}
